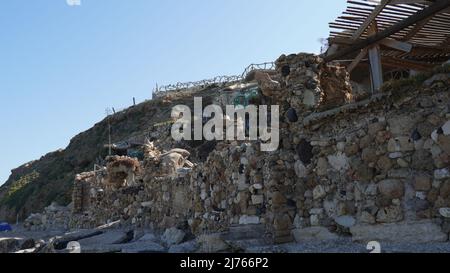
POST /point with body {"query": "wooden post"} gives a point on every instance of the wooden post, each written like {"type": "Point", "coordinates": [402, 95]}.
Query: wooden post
{"type": "Point", "coordinates": [376, 69]}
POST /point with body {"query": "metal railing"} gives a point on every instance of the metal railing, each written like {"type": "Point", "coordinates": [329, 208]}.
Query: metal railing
{"type": "Point", "coordinates": [219, 80]}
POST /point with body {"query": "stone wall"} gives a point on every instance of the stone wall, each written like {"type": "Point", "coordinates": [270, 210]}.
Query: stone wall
{"type": "Point", "coordinates": [369, 168]}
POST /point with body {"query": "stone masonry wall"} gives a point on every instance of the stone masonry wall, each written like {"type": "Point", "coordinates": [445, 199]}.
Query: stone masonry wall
{"type": "Point", "coordinates": [363, 168]}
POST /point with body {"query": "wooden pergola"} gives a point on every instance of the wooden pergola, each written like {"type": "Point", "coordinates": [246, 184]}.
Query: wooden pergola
{"type": "Point", "coordinates": [386, 34]}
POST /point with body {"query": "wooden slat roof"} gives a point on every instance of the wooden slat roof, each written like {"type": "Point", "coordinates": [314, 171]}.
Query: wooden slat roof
{"type": "Point", "coordinates": [430, 37]}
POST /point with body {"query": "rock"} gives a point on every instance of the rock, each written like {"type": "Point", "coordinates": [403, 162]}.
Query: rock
{"type": "Point", "coordinates": [314, 220]}
{"type": "Point", "coordinates": [402, 163]}
{"type": "Point", "coordinates": [28, 244]}
{"type": "Point", "coordinates": [406, 232]}
{"type": "Point", "coordinates": [300, 169]}
{"type": "Point", "coordinates": [212, 243]}
{"type": "Point", "coordinates": [257, 199]}
{"type": "Point", "coordinates": [446, 128]}
{"type": "Point", "coordinates": [322, 167]}
{"type": "Point", "coordinates": [369, 155]}
{"type": "Point", "coordinates": [395, 155]}
{"type": "Point", "coordinates": [345, 221]}
{"type": "Point", "coordinates": [399, 173]}
{"type": "Point", "coordinates": [400, 144]}
{"type": "Point", "coordinates": [304, 150]}
{"type": "Point", "coordinates": [384, 163]}
{"type": "Point", "coordinates": [142, 247]}
{"type": "Point", "coordinates": [367, 218]}
{"type": "Point", "coordinates": [444, 191]}
{"type": "Point", "coordinates": [186, 247]}
{"type": "Point", "coordinates": [374, 128]}
{"type": "Point", "coordinates": [107, 238]}
{"type": "Point", "coordinates": [313, 234]}
{"type": "Point", "coordinates": [9, 245]}
{"type": "Point", "coordinates": [444, 212]}
{"type": "Point", "coordinates": [291, 114]}
{"type": "Point", "coordinates": [441, 174]}
{"type": "Point", "coordinates": [173, 236]}
{"type": "Point", "coordinates": [436, 78]}
{"type": "Point", "coordinates": [352, 149]}
{"type": "Point", "coordinates": [391, 188]}
{"type": "Point", "coordinates": [249, 220]}
{"type": "Point", "coordinates": [401, 125]}
{"type": "Point", "coordinates": [422, 183]}
{"type": "Point", "coordinates": [444, 143]}
{"type": "Point", "coordinates": [148, 237]}
{"type": "Point", "coordinates": [319, 192]}
{"type": "Point", "coordinates": [278, 199]}
{"type": "Point", "coordinates": [309, 99]}
{"type": "Point", "coordinates": [390, 214]}
{"type": "Point", "coordinates": [339, 162]}
{"type": "Point", "coordinates": [62, 241]}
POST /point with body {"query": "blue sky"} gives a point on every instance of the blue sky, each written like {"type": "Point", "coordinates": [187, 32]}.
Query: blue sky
{"type": "Point", "coordinates": [61, 66]}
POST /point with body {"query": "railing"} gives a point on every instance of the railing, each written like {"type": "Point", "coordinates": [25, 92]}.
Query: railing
{"type": "Point", "coordinates": [220, 80]}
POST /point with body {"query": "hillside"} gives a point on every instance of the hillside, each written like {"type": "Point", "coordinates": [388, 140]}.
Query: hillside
{"type": "Point", "coordinates": [35, 185]}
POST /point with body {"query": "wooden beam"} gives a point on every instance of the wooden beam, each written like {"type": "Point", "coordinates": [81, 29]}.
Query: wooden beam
{"type": "Point", "coordinates": [370, 19]}
{"type": "Point", "coordinates": [402, 46]}
{"type": "Point", "coordinates": [397, 2]}
{"type": "Point", "coordinates": [402, 63]}
{"type": "Point", "coordinates": [357, 60]}
{"type": "Point", "coordinates": [420, 15]}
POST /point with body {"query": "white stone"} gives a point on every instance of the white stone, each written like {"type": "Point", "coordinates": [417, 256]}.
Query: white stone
{"type": "Point", "coordinates": [445, 212]}
{"type": "Point", "coordinates": [435, 150]}
{"type": "Point", "coordinates": [300, 169]}
{"type": "Point", "coordinates": [345, 221]}
{"type": "Point", "coordinates": [308, 98]}
{"type": "Point", "coordinates": [395, 155]}
{"type": "Point", "coordinates": [421, 195]}
{"type": "Point", "coordinates": [319, 192]}
{"type": "Point", "coordinates": [147, 204]}
{"type": "Point", "coordinates": [173, 236]}
{"type": "Point", "coordinates": [299, 222]}
{"type": "Point", "coordinates": [257, 186]}
{"type": "Point", "coordinates": [441, 174]}
{"type": "Point", "coordinates": [244, 161]}
{"type": "Point", "coordinates": [446, 128]}
{"type": "Point", "coordinates": [339, 162]}
{"type": "Point", "coordinates": [249, 220]}
{"type": "Point", "coordinates": [316, 211]}
{"type": "Point", "coordinates": [314, 220]}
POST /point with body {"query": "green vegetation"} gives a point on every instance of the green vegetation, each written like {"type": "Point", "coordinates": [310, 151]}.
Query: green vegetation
{"type": "Point", "coordinates": [16, 188]}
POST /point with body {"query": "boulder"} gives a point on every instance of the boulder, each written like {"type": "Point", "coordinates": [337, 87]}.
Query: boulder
{"type": "Point", "coordinates": [173, 236]}
{"type": "Point", "coordinates": [212, 243]}
{"type": "Point", "coordinates": [9, 245]}
{"type": "Point", "coordinates": [345, 221]}
{"type": "Point", "coordinates": [313, 234]}
{"type": "Point", "coordinates": [405, 232]}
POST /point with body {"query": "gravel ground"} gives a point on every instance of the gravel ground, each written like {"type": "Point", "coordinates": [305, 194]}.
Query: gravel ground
{"type": "Point", "coordinates": [342, 245]}
{"type": "Point", "coordinates": [345, 245]}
